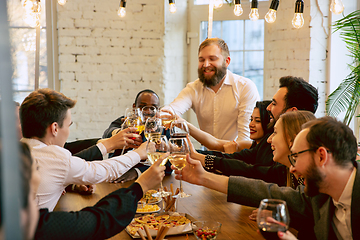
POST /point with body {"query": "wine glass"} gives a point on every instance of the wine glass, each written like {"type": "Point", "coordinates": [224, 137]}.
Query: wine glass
{"type": "Point", "coordinates": [149, 112]}
{"type": "Point", "coordinates": [134, 118]}
{"type": "Point", "coordinates": [167, 115]}
{"type": "Point", "coordinates": [179, 147]}
{"type": "Point", "coordinates": [273, 216]}
{"type": "Point", "coordinates": [179, 129]}
{"type": "Point", "coordinates": [153, 127]}
{"type": "Point", "coordinates": [156, 148]}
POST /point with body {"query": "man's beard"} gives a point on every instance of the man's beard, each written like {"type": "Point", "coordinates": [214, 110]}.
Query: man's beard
{"type": "Point", "coordinates": [313, 180]}
{"type": "Point", "coordinates": [215, 79]}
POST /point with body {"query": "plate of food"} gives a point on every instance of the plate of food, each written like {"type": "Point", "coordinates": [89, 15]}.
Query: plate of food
{"type": "Point", "coordinates": [178, 223]}
{"type": "Point", "coordinates": [149, 199]}
{"type": "Point", "coordinates": [147, 208]}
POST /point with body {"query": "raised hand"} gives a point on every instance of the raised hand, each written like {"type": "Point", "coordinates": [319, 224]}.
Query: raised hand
{"type": "Point", "coordinates": [193, 172]}
{"type": "Point", "coordinates": [152, 176]}
{"type": "Point", "coordinates": [124, 138]}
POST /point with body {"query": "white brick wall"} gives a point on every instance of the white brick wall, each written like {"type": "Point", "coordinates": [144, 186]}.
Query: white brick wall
{"type": "Point", "coordinates": [105, 60]}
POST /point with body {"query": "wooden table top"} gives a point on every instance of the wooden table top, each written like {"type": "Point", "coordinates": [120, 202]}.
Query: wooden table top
{"type": "Point", "coordinates": [204, 204]}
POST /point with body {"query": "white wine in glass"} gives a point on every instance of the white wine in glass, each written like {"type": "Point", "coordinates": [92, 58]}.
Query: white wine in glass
{"type": "Point", "coordinates": [156, 148]}
{"type": "Point", "coordinates": [179, 148]}
{"type": "Point", "coordinates": [153, 128]}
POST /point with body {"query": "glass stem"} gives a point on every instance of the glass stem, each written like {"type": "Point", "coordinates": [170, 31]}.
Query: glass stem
{"type": "Point", "coordinates": [181, 189]}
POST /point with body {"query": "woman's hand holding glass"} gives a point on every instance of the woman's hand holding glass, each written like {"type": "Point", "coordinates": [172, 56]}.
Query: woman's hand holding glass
{"type": "Point", "coordinates": [158, 150]}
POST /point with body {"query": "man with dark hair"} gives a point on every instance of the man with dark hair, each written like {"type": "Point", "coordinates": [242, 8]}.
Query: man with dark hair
{"type": "Point", "coordinates": [45, 118]}
{"type": "Point", "coordinates": [323, 154]}
{"type": "Point", "coordinates": [222, 101]}
{"type": "Point", "coordinates": [294, 94]}
{"type": "Point", "coordinates": [145, 98]}
{"type": "Point", "coordinates": [109, 216]}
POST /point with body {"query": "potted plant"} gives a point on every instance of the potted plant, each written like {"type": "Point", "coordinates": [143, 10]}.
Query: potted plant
{"type": "Point", "coordinates": [347, 95]}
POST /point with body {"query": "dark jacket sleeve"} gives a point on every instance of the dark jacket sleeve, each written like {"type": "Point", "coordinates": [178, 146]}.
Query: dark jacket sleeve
{"type": "Point", "coordinates": [105, 219]}
{"type": "Point", "coordinates": [114, 125]}
{"type": "Point", "coordinates": [85, 149]}
{"type": "Point", "coordinates": [260, 154]}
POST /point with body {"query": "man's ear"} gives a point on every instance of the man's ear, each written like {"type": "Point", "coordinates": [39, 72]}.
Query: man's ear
{"type": "Point", "coordinates": [292, 109]}
{"type": "Point", "coordinates": [227, 61]}
{"type": "Point", "coordinates": [54, 127]}
{"type": "Point", "coordinates": [324, 157]}
{"type": "Point", "coordinates": [133, 105]}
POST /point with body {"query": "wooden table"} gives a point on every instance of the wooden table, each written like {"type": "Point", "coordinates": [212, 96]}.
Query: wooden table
{"type": "Point", "coordinates": [204, 204]}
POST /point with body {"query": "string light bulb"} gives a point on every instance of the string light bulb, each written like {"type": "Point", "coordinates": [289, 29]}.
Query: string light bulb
{"type": "Point", "coordinates": [270, 16]}
{"type": "Point", "coordinates": [61, 2]}
{"type": "Point", "coordinates": [218, 3]}
{"type": "Point", "coordinates": [32, 12]}
{"type": "Point", "coordinates": [172, 6]}
{"type": "Point", "coordinates": [298, 20]}
{"type": "Point", "coordinates": [122, 11]}
{"type": "Point", "coordinates": [254, 13]}
{"type": "Point", "coordinates": [238, 9]}
{"type": "Point", "coordinates": [336, 6]}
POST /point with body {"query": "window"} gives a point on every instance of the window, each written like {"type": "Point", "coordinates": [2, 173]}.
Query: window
{"type": "Point", "coordinates": [245, 39]}
{"type": "Point", "coordinates": [23, 50]}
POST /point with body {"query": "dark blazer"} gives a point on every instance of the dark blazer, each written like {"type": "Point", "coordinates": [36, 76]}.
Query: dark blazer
{"type": "Point", "coordinates": [105, 219]}
{"type": "Point", "coordinates": [256, 162]}
{"type": "Point", "coordinates": [317, 212]}
{"type": "Point", "coordinates": [85, 149]}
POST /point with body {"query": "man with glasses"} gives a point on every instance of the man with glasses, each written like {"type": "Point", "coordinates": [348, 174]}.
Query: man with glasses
{"type": "Point", "coordinates": [146, 100]}
{"type": "Point", "coordinates": [324, 154]}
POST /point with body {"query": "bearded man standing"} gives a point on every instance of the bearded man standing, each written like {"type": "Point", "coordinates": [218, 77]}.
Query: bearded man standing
{"type": "Point", "coordinates": [222, 101]}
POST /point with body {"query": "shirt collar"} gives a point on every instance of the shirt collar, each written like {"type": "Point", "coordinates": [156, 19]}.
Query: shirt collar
{"type": "Point", "coordinates": [345, 198]}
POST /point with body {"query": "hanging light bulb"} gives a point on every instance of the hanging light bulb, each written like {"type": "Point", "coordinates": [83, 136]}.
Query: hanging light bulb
{"type": "Point", "coordinates": [298, 20]}
{"type": "Point", "coordinates": [122, 10]}
{"type": "Point", "coordinates": [270, 16]}
{"type": "Point", "coordinates": [61, 2]}
{"type": "Point", "coordinates": [238, 9]}
{"type": "Point", "coordinates": [218, 3]}
{"type": "Point", "coordinates": [32, 12]}
{"type": "Point", "coordinates": [336, 6]}
{"type": "Point", "coordinates": [172, 6]}
{"type": "Point", "coordinates": [254, 13]}
{"type": "Point", "coordinates": [32, 19]}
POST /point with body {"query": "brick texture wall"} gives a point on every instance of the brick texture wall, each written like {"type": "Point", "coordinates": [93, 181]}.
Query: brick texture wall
{"type": "Point", "coordinates": [105, 60]}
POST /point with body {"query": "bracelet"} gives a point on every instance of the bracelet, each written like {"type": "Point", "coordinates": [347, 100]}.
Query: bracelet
{"type": "Point", "coordinates": [209, 162]}
{"type": "Point", "coordinates": [73, 187]}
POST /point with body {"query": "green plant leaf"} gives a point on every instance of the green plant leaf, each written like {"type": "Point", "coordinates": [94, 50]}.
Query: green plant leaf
{"type": "Point", "coordinates": [345, 98]}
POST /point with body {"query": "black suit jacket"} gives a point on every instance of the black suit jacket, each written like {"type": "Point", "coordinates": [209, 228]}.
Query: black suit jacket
{"type": "Point", "coordinates": [105, 219]}
{"type": "Point", "coordinates": [85, 149]}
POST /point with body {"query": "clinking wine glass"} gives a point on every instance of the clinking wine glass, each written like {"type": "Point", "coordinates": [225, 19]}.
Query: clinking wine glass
{"type": "Point", "coordinates": [156, 148]}
{"type": "Point", "coordinates": [167, 115]}
{"type": "Point", "coordinates": [273, 216]}
{"type": "Point", "coordinates": [133, 118]}
{"type": "Point", "coordinates": [179, 129]}
{"type": "Point", "coordinates": [153, 127]}
{"type": "Point", "coordinates": [179, 148]}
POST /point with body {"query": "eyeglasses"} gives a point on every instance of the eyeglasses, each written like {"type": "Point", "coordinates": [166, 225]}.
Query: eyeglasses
{"type": "Point", "coordinates": [292, 157]}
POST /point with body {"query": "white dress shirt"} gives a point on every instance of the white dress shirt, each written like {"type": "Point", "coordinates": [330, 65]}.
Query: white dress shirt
{"type": "Point", "coordinates": [58, 168]}
{"type": "Point", "coordinates": [342, 215]}
{"type": "Point", "coordinates": [224, 114]}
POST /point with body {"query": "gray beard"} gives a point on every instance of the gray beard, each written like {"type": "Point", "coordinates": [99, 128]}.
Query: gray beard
{"type": "Point", "coordinates": [215, 79]}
